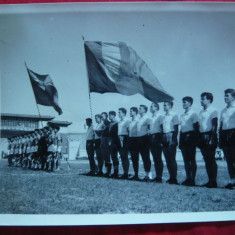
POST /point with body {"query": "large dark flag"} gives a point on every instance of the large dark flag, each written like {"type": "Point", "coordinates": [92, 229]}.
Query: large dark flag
{"type": "Point", "coordinates": [44, 90]}
{"type": "Point", "coordinates": [116, 67]}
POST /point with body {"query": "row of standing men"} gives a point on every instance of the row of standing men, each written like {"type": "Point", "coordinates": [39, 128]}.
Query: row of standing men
{"type": "Point", "coordinates": [140, 136]}
{"type": "Point", "coordinates": [39, 149]}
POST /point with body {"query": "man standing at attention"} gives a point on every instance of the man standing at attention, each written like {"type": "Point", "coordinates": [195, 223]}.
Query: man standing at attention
{"type": "Point", "coordinates": [227, 134]}
{"type": "Point", "coordinates": [156, 140]}
{"type": "Point", "coordinates": [169, 142]}
{"type": "Point", "coordinates": [113, 142]}
{"type": "Point", "coordinates": [133, 142]}
{"type": "Point", "coordinates": [188, 140]}
{"type": "Point", "coordinates": [90, 147]}
{"type": "Point", "coordinates": [123, 126]}
{"type": "Point", "coordinates": [97, 133]}
{"type": "Point", "coordinates": [143, 125]}
{"type": "Point", "coordinates": [208, 121]}
{"type": "Point", "coordinates": [104, 144]}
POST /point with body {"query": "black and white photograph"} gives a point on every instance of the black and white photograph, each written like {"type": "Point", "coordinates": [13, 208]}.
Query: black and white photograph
{"type": "Point", "coordinates": [117, 113]}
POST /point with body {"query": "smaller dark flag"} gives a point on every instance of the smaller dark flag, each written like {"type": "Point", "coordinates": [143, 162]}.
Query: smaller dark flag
{"type": "Point", "coordinates": [44, 90]}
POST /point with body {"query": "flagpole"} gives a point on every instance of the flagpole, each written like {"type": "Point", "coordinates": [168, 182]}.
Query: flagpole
{"type": "Point", "coordinates": [89, 91]}
{"type": "Point", "coordinates": [34, 96]}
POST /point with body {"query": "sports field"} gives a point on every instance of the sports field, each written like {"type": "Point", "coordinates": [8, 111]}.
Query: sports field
{"type": "Point", "coordinates": [24, 191]}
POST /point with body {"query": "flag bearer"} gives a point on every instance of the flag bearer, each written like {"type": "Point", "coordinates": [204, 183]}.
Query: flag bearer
{"type": "Point", "coordinates": [97, 134]}
{"type": "Point", "coordinates": [90, 147]}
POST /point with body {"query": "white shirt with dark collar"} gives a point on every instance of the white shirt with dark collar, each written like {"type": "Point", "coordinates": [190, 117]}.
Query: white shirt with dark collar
{"type": "Point", "coordinates": [123, 126]}
{"type": "Point", "coordinates": [143, 125]}
{"type": "Point", "coordinates": [169, 121]}
{"type": "Point", "coordinates": [187, 119]}
{"type": "Point", "coordinates": [227, 117]}
{"type": "Point", "coordinates": [156, 122]}
{"type": "Point", "coordinates": [205, 118]}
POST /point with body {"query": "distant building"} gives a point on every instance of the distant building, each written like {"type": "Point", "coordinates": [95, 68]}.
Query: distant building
{"type": "Point", "coordinates": [18, 124]}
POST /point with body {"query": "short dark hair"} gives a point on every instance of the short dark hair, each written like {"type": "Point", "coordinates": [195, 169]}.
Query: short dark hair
{"type": "Point", "coordinates": [230, 91]}
{"type": "Point", "coordinates": [104, 114]}
{"type": "Point", "coordinates": [112, 113]}
{"type": "Point", "coordinates": [208, 95]}
{"type": "Point", "coordinates": [97, 116]}
{"type": "Point", "coordinates": [89, 120]}
{"type": "Point", "coordinates": [123, 110]}
{"type": "Point", "coordinates": [170, 102]}
{"type": "Point", "coordinates": [145, 107]}
{"type": "Point", "coordinates": [156, 105]}
{"type": "Point", "coordinates": [188, 99]}
{"type": "Point", "coordinates": [134, 109]}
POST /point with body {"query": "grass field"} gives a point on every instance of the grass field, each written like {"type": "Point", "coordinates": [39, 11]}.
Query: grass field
{"type": "Point", "coordinates": [24, 191]}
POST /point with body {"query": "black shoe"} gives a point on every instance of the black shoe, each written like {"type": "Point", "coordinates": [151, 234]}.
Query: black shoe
{"type": "Point", "coordinates": [90, 173]}
{"type": "Point", "coordinates": [173, 181]}
{"type": "Point", "coordinates": [158, 180]}
{"type": "Point", "coordinates": [134, 177]}
{"type": "Point", "coordinates": [100, 173]}
{"type": "Point", "coordinates": [229, 186]}
{"type": "Point", "coordinates": [168, 181]}
{"type": "Point", "coordinates": [146, 179]}
{"type": "Point", "coordinates": [188, 182]}
{"type": "Point", "coordinates": [115, 175]}
{"type": "Point", "coordinates": [107, 175]}
{"type": "Point", "coordinates": [210, 184]}
{"type": "Point", "coordinates": [124, 177]}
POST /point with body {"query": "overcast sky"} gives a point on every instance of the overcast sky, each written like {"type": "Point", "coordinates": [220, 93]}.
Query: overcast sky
{"type": "Point", "coordinates": [188, 51]}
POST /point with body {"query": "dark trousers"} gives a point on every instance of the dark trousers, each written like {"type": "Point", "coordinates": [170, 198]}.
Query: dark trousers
{"type": "Point", "coordinates": [113, 149]}
{"type": "Point", "coordinates": [105, 150]}
{"type": "Point", "coordinates": [98, 153]}
{"type": "Point", "coordinates": [189, 156]}
{"type": "Point", "coordinates": [134, 152]}
{"type": "Point", "coordinates": [170, 154]}
{"type": "Point", "coordinates": [123, 151]}
{"type": "Point", "coordinates": [156, 150]}
{"type": "Point", "coordinates": [9, 159]}
{"type": "Point", "coordinates": [143, 144]}
{"type": "Point", "coordinates": [211, 166]}
{"type": "Point", "coordinates": [91, 152]}
{"type": "Point", "coordinates": [229, 154]}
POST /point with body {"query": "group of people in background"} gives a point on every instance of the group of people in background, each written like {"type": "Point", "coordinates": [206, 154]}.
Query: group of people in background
{"type": "Point", "coordinates": [38, 150]}
{"type": "Point", "coordinates": [158, 134]}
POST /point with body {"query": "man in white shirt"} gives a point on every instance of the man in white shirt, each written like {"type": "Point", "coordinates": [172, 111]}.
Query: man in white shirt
{"type": "Point", "coordinates": [143, 126]}
{"type": "Point", "coordinates": [169, 142]}
{"type": "Point", "coordinates": [133, 143]}
{"type": "Point", "coordinates": [188, 139]}
{"type": "Point", "coordinates": [123, 126]}
{"type": "Point", "coordinates": [156, 140]}
{"type": "Point", "coordinates": [208, 121]}
{"type": "Point", "coordinates": [90, 147]}
{"type": "Point", "coordinates": [227, 134]}
{"type": "Point", "coordinates": [97, 135]}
